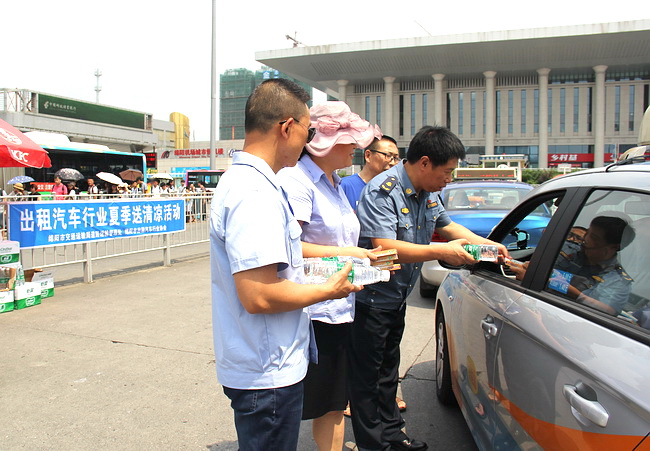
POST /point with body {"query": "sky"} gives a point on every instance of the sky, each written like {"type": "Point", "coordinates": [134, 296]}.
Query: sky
{"type": "Point", "coordinates": [155, 55]}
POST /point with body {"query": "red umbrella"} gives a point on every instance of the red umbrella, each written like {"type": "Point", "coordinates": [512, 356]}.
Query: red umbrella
{"type": "Point", "coordinates": [17, 150]}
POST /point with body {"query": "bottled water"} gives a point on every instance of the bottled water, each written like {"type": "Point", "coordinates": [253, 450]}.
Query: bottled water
{"type": "Point", "coordinates": [483, 252]}
{"type": "Point", "coordinates": [319, 269]}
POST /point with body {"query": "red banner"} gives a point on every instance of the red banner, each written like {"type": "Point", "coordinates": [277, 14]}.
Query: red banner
{"type": "Point", "coordinates": [559, 158]}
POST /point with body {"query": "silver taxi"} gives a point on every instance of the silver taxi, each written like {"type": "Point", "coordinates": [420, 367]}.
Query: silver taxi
{"type": "Point", "coordinates": [556, 356]}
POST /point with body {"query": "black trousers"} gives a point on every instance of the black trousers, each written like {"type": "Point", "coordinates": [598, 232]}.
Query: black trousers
{"type": "Point", "coordinates": [374, 374]}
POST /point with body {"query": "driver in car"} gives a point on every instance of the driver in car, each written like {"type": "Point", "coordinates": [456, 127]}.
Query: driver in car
{"type": "Point", "coordinates": [589, 270]}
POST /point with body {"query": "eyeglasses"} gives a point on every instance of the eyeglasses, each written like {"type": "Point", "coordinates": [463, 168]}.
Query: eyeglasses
{"type": "Point", "coordinates": [311, 132]}
{"type": "Point", "coordinates": [387, 155]}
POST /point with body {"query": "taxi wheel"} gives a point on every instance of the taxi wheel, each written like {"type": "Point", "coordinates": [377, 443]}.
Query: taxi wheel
{"type": "Point", "coordinates": [443, 368]}
{"type": "Point", "coordinates": [427, 290]}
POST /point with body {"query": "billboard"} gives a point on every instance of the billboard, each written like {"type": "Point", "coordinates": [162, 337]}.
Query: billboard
{"type": "Point", "coordinates": [85, 111]}
{"type": "Point", "coordinates": [36, 224]}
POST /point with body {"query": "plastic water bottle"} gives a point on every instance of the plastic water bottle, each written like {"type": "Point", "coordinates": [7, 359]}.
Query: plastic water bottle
{"type": "Point", "coordinates": [319, 269]}
{"type": "Point", "coordinates": [483, 252]}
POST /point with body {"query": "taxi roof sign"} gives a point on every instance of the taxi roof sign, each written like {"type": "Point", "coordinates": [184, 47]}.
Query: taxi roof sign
{"type": "Point", "coordinates": [504, 173]}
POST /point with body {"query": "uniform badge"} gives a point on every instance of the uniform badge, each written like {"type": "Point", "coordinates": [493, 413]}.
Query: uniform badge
{"type": "Point", "coordinates": [405, 210]}
{"type": "Point", "coordinates": [389, 184]}
{"type": "Point", "coordinates": [598, 279]}
{"type": "Point", "coordinates": [409, 190]}
{"type": "Point", "coordinates": [431, 203]}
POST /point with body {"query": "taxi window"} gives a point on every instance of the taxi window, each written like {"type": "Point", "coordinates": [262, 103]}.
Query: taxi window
{"type": "Point", "coordinates": [605, 259]}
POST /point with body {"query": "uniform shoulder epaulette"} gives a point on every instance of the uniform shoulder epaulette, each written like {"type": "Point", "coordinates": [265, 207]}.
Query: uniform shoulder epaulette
{"type": "Point", "coordinates": [389, 184]}
{"type": "Point", "coordinates": [619, 269]}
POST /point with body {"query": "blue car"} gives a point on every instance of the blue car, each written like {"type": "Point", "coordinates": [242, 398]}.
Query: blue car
{"type": "Point", "coordinates": [479, 206]}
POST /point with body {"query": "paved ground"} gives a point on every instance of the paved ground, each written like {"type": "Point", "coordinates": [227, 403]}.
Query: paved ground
{"type": "Point", "coordinates": [126, 363]}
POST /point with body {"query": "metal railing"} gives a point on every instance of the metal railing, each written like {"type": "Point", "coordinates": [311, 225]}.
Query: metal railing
{"type": "Point", "coordinates": [197, 209]}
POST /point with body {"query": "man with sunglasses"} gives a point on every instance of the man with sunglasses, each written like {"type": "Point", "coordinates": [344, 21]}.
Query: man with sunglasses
{"type": "Point", "coordinates": [380, 155]}
{"type": "Point", "coordinates": [261, 332]}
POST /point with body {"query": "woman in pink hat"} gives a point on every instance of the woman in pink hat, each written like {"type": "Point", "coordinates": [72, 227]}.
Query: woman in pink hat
{"type": "Point", "coordinates": [329, 228]}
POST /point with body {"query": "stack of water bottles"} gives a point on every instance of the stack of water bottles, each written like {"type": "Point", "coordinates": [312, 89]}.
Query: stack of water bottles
{"type": "Point", "coordinates": [319, 269]}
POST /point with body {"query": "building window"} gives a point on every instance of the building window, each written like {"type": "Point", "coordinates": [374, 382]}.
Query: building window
{"type": "Point", "coordinates": [576, 109]}
{"type": "Point", "coordinates": [460, 113]}
{"type": "Point", "coordinates": [448, 110]}
{"type": "Point", "coordinates": [484, 98]}
{"type": "Point", "coordinates": [511, 111]}
{"type": "Point", "coordinates": [536, 111]}
{"type": "Point", "coordinates": [630, 124]}
{"type": "Point", "coordinates": [472, 119]}
{"type": "Point", "coordinates": [425, 119]}
{"type": "Point", "coordinates": [550, 111]}
{"type": "Point", "coordinates": [617, 108]}
{"type": "Point", "coordinates": [562, 110]}
{"type": "Point", "coordinates": [401, 115]}
{"type": "Point", "coordinates": [590, 106]}
{"type": "Point", "coordinates": [367, 115]}
{"type": "Point", "coordinates": [412, 114]}
{"type": "Point", "coordinates": [497, 116]}
{"type": "Point", "coordinates": [378, 112]}
{"type": "Point", "coordinates": [523, 111]}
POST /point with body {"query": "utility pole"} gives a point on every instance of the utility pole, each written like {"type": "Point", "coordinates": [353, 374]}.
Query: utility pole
{"type": "Point", "coordinates": [97, 87]}
{"type": "Point", "coordinates": [213, 99]}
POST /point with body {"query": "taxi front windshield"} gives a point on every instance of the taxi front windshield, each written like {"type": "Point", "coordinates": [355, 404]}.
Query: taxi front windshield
{"type": "Point", "coordinates": [483, 198]}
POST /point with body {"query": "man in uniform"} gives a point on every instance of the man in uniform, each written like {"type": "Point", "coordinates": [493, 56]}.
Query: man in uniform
{"type": "Point", "coordinates": [261, 332]}
{"type": "Point", "coordinates": [400, 209]}
{"type": "Point", "coordinates": [591, 271]}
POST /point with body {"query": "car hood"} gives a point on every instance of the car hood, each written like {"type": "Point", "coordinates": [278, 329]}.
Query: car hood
{"type": "Point", "coordinates": [480, 222]}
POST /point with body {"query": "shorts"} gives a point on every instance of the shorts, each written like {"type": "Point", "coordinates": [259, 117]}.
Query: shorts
{"type": "Point", "coordinates": [326, 382]}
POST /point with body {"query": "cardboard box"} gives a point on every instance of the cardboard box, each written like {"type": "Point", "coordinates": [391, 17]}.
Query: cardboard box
{"type": "Point", "coordinates": [9, 252]}
{"type": "Point", "coordinates": [27, 295]}
{"type": "Point", "coordinates": [6, 301]}
{"type": "Point", "coordinates": [45, 279]}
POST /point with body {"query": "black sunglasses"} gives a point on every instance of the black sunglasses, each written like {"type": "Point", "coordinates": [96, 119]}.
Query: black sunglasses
{"type": "Point", "coordinates": [311, 132]}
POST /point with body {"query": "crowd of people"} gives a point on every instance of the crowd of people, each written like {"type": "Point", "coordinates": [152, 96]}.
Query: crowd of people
{"type": "Point", "coordinates": [286, 350]}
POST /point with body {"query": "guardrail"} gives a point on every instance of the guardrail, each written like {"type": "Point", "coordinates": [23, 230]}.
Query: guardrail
{"type": "Point", "coordinates": [196, 210]}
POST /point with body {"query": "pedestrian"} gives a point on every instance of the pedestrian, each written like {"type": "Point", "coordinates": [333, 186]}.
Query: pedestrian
{"type": "Point", "coordinates": [381, 155]}
{"type": "Point", "coordinates": [17, 194]}
{"type": "Point", "coordinates": [72, 191]}
{"type": "Point", "coordinates": [400, 209]}
{"type": "Point", "coordinates": [261, 330]}
{"type": "Point", "coordinates": [329, 228]}
{"type": "Point", "coordinates": [34, 194]}
{"type": "Point", "coordinates": [92, 190]}
{"type": "Point", "coordinates": [59, 190]}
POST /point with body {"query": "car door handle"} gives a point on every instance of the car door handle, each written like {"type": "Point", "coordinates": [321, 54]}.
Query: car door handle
{"type": "Point", "coordinates": [489, 328]}
{"type": "Point", "coordinates": [585, 408]}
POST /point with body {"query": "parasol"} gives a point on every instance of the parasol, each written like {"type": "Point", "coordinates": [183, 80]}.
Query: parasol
{"type": "Point", "coordinates": [69, 174]}
{"type": "Point", "coordinates": [17, 150]}
{"type": "Point", "coordinates": [110, 178]}
{"type": "Point", "coordinates": [160, 175]}
{"type": "Point", "coordinates": [20, 179]}
{"type": "Point", "coordinates": [131, 175]}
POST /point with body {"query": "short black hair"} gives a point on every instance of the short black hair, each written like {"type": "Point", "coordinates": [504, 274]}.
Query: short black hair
{"type": "Point", "coordinates": [613, 228]}
{"type": "Point", "coordinates": [374, 145]}
{"type": "Point", "coordinates": [273, 101]}
{"type": "Point", "coordinates": [437, 143]}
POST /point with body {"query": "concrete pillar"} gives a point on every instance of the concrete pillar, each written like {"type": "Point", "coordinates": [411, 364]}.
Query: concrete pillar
{"type": "Point", "coordinates": [343, 89]}
{"type": "Point", "coordinates": [438, 111]}
{"type": "Point", "coordinates": [599, 117]}
{"type": "Point", "coordinates": [490, 121]}
{"type": "Point", "coordinates": [387, 120]}
{"type": "Point", "coordinates": [543, 116]}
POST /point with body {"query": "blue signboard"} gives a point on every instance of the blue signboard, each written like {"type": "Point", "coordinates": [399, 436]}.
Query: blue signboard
{"type": "Point", "coordinates": [36, 224]}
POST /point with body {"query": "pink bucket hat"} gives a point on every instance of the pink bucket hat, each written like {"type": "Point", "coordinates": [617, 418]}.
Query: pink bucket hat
{"type": "Point", "coordinates": [336, 124]}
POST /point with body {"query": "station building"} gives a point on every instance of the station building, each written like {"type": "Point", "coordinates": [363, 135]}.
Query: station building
{"type": "Point", "coordinates": [562, 95]}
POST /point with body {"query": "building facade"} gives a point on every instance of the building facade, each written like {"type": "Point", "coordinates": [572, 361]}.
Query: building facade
{"type": "Point", "coordinates": [566, 95]}
{"type": "Point", "coordinates": [235, 86]}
